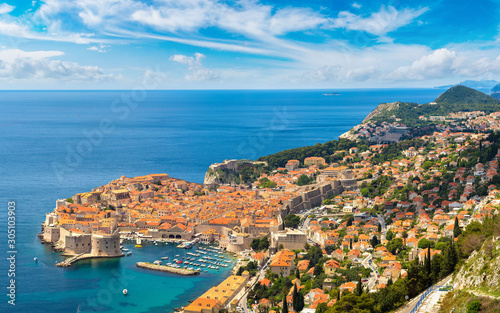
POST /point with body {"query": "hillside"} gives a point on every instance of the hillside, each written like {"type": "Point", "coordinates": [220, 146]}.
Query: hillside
{"type": "Point", "coordinates": [458, 98]}
{"type": "Point", "coordinates": [496, 88]}
{"type": "Point", "coordinates": [481, 271]}
{"type": "Point", "coordinates": [461, 98]}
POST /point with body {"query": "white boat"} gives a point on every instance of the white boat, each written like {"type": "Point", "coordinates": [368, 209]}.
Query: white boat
{"type": "Point", "coordinates": [36, 259]}
{"type": "Point", "coordinates": [125, 250]}
{"type": "Point", "coordinates": [164, 257]}
{"type": "Point", "coordinates": [125, 291]}
{"type": "Point", "coordinates": [128, 253]}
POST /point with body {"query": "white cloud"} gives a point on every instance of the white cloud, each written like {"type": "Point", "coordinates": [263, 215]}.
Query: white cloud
{"type": "Point", "coordinates": [440, 63]}
{"type": "Point", "coordinates": [101, 48]}
{"type": "Point", "coordinates": [362, 74]}
{"type": "Point", "coordinates": [482, 66]}
{"type": "Point", "coordinates": [356, 5]}
{"type": "Point", "coordinates": [16, 29]}
{"type": "Point", "coordinates": [444, 63]}
{"type": "Point", "coordinates": [196, 70]}
{"type": "Point", "coordinates": [38, 65]}
{"type": "Point", "coordinates": [6, 8]}
{"type": "Point", "coordinates": [380, 23]}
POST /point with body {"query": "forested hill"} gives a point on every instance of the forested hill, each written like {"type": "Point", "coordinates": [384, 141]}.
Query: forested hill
{"type": "Point", "coordinates": [455, 99]}
{"type": "Point", "coordinates": [461, 98]}
{"type": "Point", "coordinates": [325, 150]}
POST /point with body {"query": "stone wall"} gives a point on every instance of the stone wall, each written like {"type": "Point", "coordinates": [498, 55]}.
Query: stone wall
{"type": "Point", "coordinates": [76, 244]}
{"type": "Point", "coordinates": [106, 245]}
{"type": "Point", "coordinates": [312, 198]}
{"type": "Point", "coordinates": [51, 234]}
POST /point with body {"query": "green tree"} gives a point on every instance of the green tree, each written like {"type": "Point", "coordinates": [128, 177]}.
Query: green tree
{"type": "Point", "coordinates": [321, 308]}
{"type": "Point", "coordinates": [292, 220]}
{"type": "Point", "coordinates": [359, 287]}
{"type": "Point", "coordinates": [457, 231]}
{"type": "Point", "coordinates": [389, 235]}
{"type": "Point", "coordinates": [394, 245]}
{"type": "Point", "coordinates": [474, 306]}
{"type": "Point", "coordinates": [303, 180]}
{"type": "Point", "coordinates": [264, 243]}
{"type": "Point", "coordinates": [318, 269]}
{"type": "Point", "coordinates": [284, 309]}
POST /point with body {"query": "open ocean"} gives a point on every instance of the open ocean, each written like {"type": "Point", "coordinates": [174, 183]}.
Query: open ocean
{"type": "Point", "coordinates": [58, 143]}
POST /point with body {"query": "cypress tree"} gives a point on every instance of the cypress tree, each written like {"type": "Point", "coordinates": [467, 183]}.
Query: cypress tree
{"type": "Point", "coordinates": [284, 309]}
{"type": "Point", "coordinates": [294, 298]}
{"type": "Point", "coordinates": [297, 273]}
{"type": "Point", "coordinates": [456, 229]}
{"type": "Point", "coordinates": [301, 304]}
{"type": "Point", "coordinates": [428, 261]}
{"type": "Point", "coordinates": [359, 287]}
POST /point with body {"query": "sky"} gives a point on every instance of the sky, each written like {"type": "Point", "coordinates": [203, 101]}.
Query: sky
{"type": "Point", "coordinates": [248, 44]}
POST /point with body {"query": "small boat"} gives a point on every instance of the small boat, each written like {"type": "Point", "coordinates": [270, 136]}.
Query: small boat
{"type": "Point", "coordinates": [179, 262]}
{"type": "Point", "coordinates": [125, 291]}
{"type": "Point", "coordinates": [125, 250]}
{"type": "Point", "coordinates": [36, 259]}
{"type": "Point", "coordinates": [164, 257]}
{"type": "Point", "coordinates": [138, 246]}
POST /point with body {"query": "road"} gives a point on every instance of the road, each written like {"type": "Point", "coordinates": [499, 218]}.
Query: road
{"type": "Point", "coordinates": [372, 280]}
{"type": "Point", "coordinates": [407, 308]}
{"type": "Point", "coordinates": [244, 293]}
{"type": "Point", "coordinates": [383, 227]}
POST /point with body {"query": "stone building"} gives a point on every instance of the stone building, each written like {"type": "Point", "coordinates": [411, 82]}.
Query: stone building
{"type": "Point", "coordinates": [291, 239]}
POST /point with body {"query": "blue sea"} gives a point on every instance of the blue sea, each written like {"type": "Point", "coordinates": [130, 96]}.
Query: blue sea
{"type": "Point", "coordinates": [58, 143]}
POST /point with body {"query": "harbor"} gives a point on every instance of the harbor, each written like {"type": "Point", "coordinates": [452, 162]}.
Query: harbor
{"type": "Point", "coordinates": [199, 257]}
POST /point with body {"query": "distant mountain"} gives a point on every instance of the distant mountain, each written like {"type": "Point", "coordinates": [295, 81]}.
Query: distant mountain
{"type": "Point", "coordinates": [476, 84]}
{"type": "Point", "coordinates": [495, 95]}
{"type": "Point", "coordinates": [496, 88]}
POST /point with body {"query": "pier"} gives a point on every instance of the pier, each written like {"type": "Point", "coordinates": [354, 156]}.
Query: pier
{"type": "Point", "coordinates": [83, 256]}
{"type": "Point", "coordinates": [168, 269]}
{"type": "Point", "coordinates": [72, 260]}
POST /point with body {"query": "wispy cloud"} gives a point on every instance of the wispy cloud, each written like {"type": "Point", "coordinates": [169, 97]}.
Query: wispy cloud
{"type": "Point", "coordinates": [38, 65]}
{"type": "Point", "coordinates": [6, 8]}
{"type": "Point", "coordinates": [386, 20]}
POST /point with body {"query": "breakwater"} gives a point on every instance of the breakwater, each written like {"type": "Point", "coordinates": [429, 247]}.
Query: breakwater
{"type": "Point", "coordinates": [168, 269]}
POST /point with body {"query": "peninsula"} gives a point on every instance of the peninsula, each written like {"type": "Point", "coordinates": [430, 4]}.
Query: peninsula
{"type": "Point", "coordinates": [361, 224]}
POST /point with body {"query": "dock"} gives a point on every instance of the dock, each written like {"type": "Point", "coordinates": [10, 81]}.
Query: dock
{"type": "Point", "coordinates": [83, 256]}
{"type": "Point", "coordinates": [72, 260]}
{"type": "Point", "coordinates": [168, 269]}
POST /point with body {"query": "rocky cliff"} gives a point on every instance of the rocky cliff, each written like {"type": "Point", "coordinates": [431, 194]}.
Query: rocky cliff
{"type": "Point", "coordinates": [233, 172]}
{"type": "Point", "coordinates": [481, 271]}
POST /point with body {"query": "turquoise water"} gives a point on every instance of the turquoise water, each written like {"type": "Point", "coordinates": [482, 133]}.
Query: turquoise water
{"type": "Point", "coordinates": [97, 285]}
{"type": "Point", "coordinates": [176, 132]}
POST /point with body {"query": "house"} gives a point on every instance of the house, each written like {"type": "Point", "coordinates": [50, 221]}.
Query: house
{"type": "Point", "coordinates": [303, 265]}
{"type": "Point", "coordinates": [338, 254]}
{"type": "Point", "coordinates": [282, 262]}
{"type": "Point", "coordinates": [350, 286]}
{"type": "Point", "coordinates": [330, 266]}
{"type": "Point", "coordinates": [353, 254]}
{"type": "Point", "coordinates": [313, 295]}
